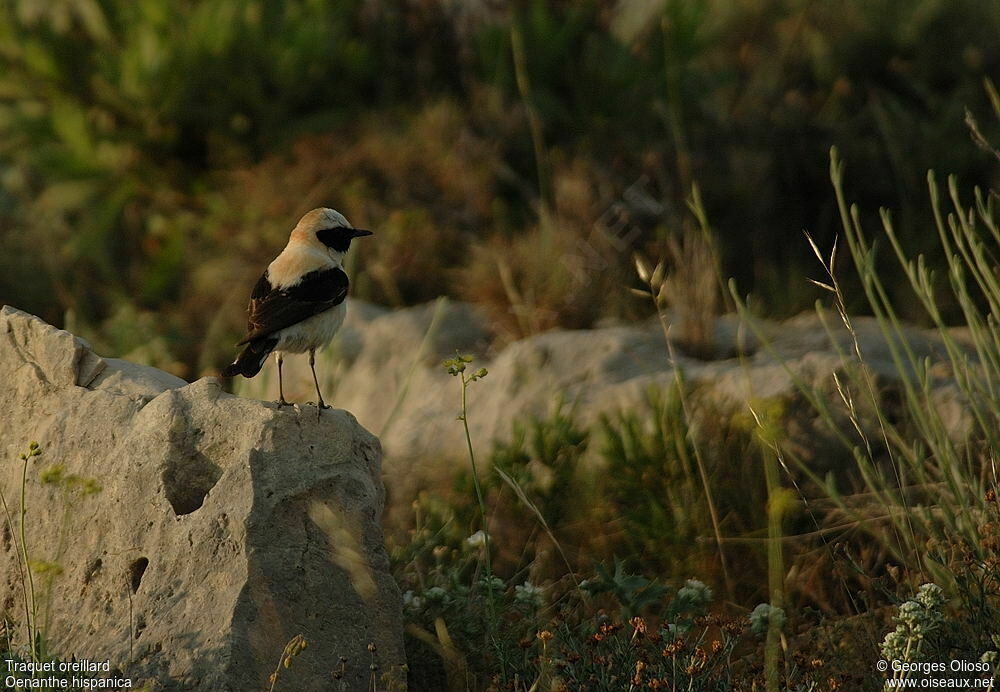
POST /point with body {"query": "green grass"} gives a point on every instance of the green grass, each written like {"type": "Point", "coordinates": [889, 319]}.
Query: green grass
{"type": "Point", "coordinates": [827, 553]}
{"type": "Point", "coordinates": [25, 631]}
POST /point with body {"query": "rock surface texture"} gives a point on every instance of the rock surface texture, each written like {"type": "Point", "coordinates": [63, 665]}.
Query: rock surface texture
{"type": "Point", "coordinates": [223, 527]}
{"type": "Point", "coordinates": [386, 368]}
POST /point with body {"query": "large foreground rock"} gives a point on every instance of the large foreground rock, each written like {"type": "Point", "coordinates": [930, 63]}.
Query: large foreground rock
{"type": "Point", "coordinates": [223, 527]}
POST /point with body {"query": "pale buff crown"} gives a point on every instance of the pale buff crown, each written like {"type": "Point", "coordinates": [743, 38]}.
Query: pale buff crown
{"type": "Point", "coordinates": [315, 220]}
{"type": "Point", "coordinates": [304, 252]}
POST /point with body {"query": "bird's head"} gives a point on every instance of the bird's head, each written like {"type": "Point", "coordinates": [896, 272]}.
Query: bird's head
{"type": "Point", "coordinates": [328, 228]}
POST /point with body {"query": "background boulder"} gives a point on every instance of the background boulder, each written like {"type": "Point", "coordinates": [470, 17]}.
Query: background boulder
{"type": "Point", "coordinates": [385, 366]}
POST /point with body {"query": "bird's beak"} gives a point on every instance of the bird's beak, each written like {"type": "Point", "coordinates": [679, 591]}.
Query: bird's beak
{"type": "Point", "coordinates": [359, 232]}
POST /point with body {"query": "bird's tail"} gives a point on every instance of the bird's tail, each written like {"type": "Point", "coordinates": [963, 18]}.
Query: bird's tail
{"type": "Point", "coordinates": [252, 359]}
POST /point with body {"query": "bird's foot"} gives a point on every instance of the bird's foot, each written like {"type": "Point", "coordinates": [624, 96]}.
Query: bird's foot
{"type": "Point", "coordinates": [282, 403]}
{"type": "Point", "coordinates": [319, 409]}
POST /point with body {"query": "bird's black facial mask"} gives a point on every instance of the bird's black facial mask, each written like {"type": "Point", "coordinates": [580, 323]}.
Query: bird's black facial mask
{"type": "Point", "coordinates": [340, 238]}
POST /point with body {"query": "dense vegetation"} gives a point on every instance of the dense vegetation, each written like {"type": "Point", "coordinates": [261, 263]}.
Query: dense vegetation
{"type": "Point", "coordinates": [154, 154]}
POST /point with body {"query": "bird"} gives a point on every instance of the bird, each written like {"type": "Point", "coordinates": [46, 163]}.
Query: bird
{"type": "Point", "coordinates": [298, 304]}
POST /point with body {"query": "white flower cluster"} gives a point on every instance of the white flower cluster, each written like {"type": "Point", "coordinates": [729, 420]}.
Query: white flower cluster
{"type": "Point", "coordinates": [992, 657]}
{"type": "Point", "coordinates": [530, 594]}
{"type": "Point", "coordinates": [694, 595]}
{"type": "Point", "coordinates": [763, 616]}
{"type": "Point", "coordinates": [916, 618]}
{"type": "Point", "coordinates": [412, 601]}
{"type": "Point", "coordinates": [494, 583]}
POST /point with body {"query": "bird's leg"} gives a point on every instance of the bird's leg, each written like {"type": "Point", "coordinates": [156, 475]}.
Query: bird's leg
{"type": "Point", "coordinates": [281, 390]}
{"type": "Point", "coordinates": [312, 365]}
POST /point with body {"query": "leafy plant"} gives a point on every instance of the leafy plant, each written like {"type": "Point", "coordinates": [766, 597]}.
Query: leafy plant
{"type": "Point", "coordinates": [634, 592]}
{"type": "Point", "coordinates": [36, 597]}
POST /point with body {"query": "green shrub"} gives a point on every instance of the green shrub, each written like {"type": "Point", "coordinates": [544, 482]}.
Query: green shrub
{"type": "Point", "coordinates": [652, 485]}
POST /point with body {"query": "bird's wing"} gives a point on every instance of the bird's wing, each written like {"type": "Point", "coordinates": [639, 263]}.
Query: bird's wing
{"type": "Point", "coordinates": [272, 309]}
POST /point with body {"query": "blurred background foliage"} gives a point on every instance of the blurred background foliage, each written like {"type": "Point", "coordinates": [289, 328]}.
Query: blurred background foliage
{"type": "Point", "coordinates": [155, 153]}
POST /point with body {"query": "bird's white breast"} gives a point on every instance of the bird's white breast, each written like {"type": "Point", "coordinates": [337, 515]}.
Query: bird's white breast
{"type": "Point", "coordinates": [314, 332]}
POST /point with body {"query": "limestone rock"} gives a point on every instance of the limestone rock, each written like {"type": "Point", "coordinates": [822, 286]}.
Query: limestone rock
{"type": "Point", "coordinates": [223, 526]}
{"type": "Point", "coordinates": [391, 375]}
